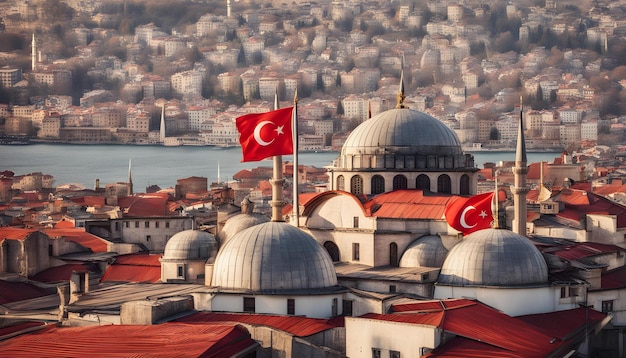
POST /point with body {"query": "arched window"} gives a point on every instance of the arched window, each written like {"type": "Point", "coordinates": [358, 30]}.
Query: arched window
{"type": "Point", "coordinates": [393, 254]}
{"type": "Point", "coordinates": [356, 185]}
{"type": "Point", "coordinates": [341, 183]}
{"type": "Point", "coordinates": [378, 184]}
{"type": "Point", "coordinates": [464, 185]}
{"type": "Point", "coordinates": [444, 184]}
{"type": "Point", "coordinates": [399, 182]}
{"type": "Point", "coordinates": [422, 182]}
{"type": "Point", "coordinates": [332, 250]}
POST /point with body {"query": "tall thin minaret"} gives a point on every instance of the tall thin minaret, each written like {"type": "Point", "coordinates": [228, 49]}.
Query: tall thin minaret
{"type": "Point", "coordinates": [401, 94]}
{"type": "Point", "coordinates": [33, 53]}
{"type": "Point", "coordinates": [162, 125]}
{"type": "Point", "coordinates": [520, 170]}
{"type": "Point", "coordinates": [130, 176]}
{"type": "Point", "coordinates": [228, 9]}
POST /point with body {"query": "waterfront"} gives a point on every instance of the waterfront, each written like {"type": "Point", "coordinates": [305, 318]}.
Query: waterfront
{"type": "Point", "coordinates": [162, 166]}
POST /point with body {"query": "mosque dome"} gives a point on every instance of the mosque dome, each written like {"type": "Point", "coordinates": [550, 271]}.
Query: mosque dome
{"type": "Point", "coordinates": [239, 223]}
{"type": "Point", "coordinates": [427, 251]}
{"type": "Point", "coordinates": [190, 245]}
{"type": "Point", "coordinates": [273, 257]}
{"type": "Point", "coordinates": [494, 257]}
{"type": "Point", "coordinates": [402, 131]}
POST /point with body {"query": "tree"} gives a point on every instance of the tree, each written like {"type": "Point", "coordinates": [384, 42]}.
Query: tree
{"type": "Point", "coordinates": [494, 134]}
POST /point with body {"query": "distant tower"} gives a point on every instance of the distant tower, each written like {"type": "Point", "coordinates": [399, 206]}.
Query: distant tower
{"type": "Point", "coordinates": [520, 189]}
{"type": "Point", "coordinates": [33, 53]}
{"type": "Point", "coordinates": [228, 9]}
{"type": "Point", "coordinates": [130, 177]}
{"type": "Point", "coordinates": [162, 126]}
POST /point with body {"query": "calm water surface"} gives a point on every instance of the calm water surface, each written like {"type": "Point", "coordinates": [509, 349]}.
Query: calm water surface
{"type": "Point", "coordinates": [158, 165]}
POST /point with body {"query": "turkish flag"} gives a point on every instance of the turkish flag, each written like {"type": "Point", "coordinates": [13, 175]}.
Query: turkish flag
{"type": "Point", "coordinates": [470, 214]}
{"type": "Point", "coordinates": [264, 135]}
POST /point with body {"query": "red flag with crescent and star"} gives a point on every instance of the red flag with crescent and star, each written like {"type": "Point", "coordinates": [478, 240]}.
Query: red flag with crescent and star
{"type": "Point", "coordinates": [470, 214]}
{"type": "Point", "coordinates": [264, 135]}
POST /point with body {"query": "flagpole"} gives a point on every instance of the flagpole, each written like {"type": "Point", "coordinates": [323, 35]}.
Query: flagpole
{"type": "Point", "coordinates": [296, 201]}
{"type": "Point", "coordinates": [277, 181]}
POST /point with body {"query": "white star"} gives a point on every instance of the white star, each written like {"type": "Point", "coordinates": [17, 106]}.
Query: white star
{"type": "Point", "coordinates": [482, 214]}
{"type": "Point", "coordinates": [279, 130]}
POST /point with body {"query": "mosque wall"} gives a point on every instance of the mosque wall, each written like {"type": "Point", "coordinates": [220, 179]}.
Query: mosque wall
{"type": "Point", "coordinates": [364, 335]}
{"type": "Point", "coordinates": [512, 301]}
{"type": "Point", "coordinates": [578, 235]}
{"type": "Point", "coordinates": [314, 306]}
{"type": "Point", "coordinates": [339, 212]}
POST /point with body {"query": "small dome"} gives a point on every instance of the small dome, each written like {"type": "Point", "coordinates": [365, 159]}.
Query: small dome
{"type": "Point", "coordinates": [427, 251]}
{"type": "Point", "coordinates": [239, 223]}
{"type": "Point", "coordinates": [270, 257]}
{"type": "Point", "coordinates": [494, 257]}
{"type": "Point", "coordinates": [190, 245]}
{"type": "Point", "coordinates": [402, 131]}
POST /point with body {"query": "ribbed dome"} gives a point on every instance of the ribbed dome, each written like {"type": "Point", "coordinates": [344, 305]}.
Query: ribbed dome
{"type": "Point", "coordinates": [494, 257]}
{"type": "Point", "coordinates": [239, 223]}
{"type": "Point", "coordinates": [190, 245]}
{"type": "Point", "coordinates": [402, 131]}
{"type": "Point", "coordinates": [271, 257]}
{"type": "Point", "coordinates": [427, 251]}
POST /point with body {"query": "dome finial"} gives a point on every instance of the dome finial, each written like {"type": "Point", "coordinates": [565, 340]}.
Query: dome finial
{"type": "Point", "coordinates": [401, 94]}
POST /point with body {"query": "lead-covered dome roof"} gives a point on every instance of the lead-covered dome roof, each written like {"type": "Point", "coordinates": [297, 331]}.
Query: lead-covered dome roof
{"type": "Point", "coordinates": [190, 245]}
{"type": "Point", "coordinates": [273, 257]}
{"type": "Point", "coordinates": [239, 223]}
{"type": "Point", "coordinates": [494, 257]}
{"type": "Point", "coordinates": [427, 251]}
{"type": "Point", "coordinates": [402, 131]}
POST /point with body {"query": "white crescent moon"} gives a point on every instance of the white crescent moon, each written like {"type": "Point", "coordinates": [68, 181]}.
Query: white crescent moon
{"type": "Point", "coordinates": [463, 223]}
{"type": "Point", "coordinates": [257, 133]}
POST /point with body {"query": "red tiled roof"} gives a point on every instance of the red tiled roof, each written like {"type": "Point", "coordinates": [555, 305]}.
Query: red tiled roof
{"type": "Point", "coordinates": [579, 203]}
{"type": "Point", "coordinates": [503, 336]}
{"type": "Point", "coordinates": [295, 325]}
{"type": "Point", "coordinates": [95, 201]}
{"type": "Point", "coordinates": [14, 233]}
{"type": "Point", "coordinates": [79, 236]}
{"type": "Point", "coordinates": [164, 340]}
{"type": "Point", "coordinates": [59, 273]}
{"type": "Point", "coordinates": [19, 291]}
{"type": "Point", "coordinates": [408, 204]}
{"type": "Point", "coordinates": [134, 268]}
{"type": "Point", "coordinates": [63, 224]}
{"type": "Point", "coordinates": [154, 204]}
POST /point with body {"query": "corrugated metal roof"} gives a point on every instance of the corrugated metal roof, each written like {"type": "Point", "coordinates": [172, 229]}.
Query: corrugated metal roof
{"type": "Point", "coordinates": [295, 325]}
{"type": "Point", "coordinates": [79, 236]}
{"type": "Point", "coordinates": [562, 323]}
{"type": "Point", "coordinates": [13, 233]}
{"type": "Point", "coordinates": [60, 273]}
{"type": "Point", "coordinates": [584, 249]}
{"type": "Point", "coordinates": [164, 340]}
{"type": "Point", "coordinates": [613, 279]}
{"type": "Point", "coordinates": [145, 205]}
{"type": "Point", "coordinates": [579, 203]}
{"type": "Point", "coordinates": [19, 291]}
{"type": "Point", "coordinates": [134, 268]}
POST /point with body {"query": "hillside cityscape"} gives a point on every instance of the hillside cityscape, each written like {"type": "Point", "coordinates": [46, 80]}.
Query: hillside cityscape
{"type": "Point", "coordinates": [402, 246]}
{"type": "Point", "coordinates": [106, 72]}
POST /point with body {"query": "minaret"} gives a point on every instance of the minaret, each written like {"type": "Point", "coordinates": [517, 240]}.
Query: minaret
{"type": "Point", "coordinates": [401, 94]}
{"type": "Point", "coordinates": [33, 53]}
{"type": "Point", "coordinates": [228, 9]}
{"type": "Point", "coordinates": [162, 126]}
{"type": "Point", "coordinates": [130, 177]}
{"type": "Point", "coordinates": [520, 170]}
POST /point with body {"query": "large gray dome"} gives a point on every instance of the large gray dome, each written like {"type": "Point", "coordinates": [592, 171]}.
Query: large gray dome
{"type": "Point", "coordinates": [427, 251]}
{"type": "Point", "coordinates": [273, 257]}
{"type": "Point", "coordinates": [190, 245]}
{"type": "Point", "coordinates": [402, 131]}
{"type": "Point", "coordinates": [239, 223]}
{"type": "Point", "coordinates": [494, 257]}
